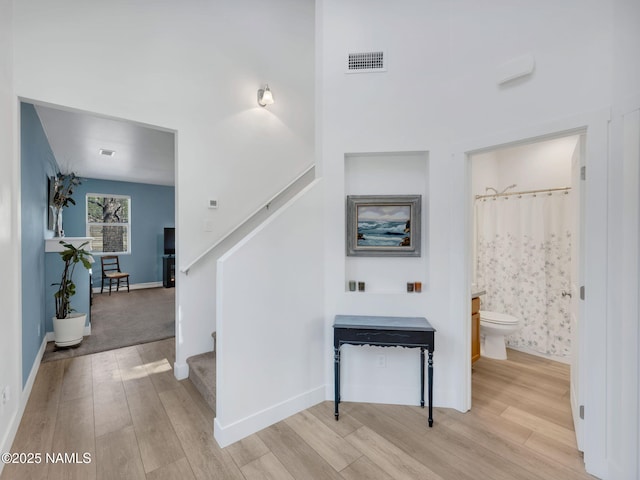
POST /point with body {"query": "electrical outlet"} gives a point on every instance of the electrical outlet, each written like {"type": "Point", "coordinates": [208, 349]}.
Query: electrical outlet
{"type": "Point", "coordinates": [6, 395]}
{"type": "Point", "coordinates": [381, 361]}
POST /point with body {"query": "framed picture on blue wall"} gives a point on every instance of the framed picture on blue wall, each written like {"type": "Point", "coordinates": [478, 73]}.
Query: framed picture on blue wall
{"type": "Point", "coordinates": [383, 225]}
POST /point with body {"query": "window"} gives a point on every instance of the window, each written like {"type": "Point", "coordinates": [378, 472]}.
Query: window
{"type": "Point", "coordinates": [109, 222]}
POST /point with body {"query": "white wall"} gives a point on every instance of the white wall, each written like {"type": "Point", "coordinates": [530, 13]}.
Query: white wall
{"type": "Point", "coordinates": [625, 59]}
{"type": "Point", "coordinates": [440, 90]}
{"type": "Point", "coordinates": [623, 334]}
{"type": "Point", "coordinates": [270, 341]}
{"type": "Point", "coordinates": [484, 172]}
{"type": "Point", "coordinates": [193, 67]}
{"type": "Point", "coordinates": [440, 95]}
{"type": "Point", "coordinates": [533, 166]}
{"type": "Point", "coordinates": [10, 354]}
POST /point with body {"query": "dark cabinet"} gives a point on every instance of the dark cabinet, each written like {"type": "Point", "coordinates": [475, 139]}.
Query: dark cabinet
{"type": "Point", "coordinates": [169, 271]}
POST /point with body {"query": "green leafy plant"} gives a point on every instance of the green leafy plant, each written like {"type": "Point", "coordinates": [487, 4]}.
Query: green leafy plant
{"type": "Point", "coordinates": [63, 185]}
{"type": "Point", "coordinates": [71, 256]}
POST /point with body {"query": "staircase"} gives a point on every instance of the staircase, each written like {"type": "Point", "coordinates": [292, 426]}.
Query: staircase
{"type": "Point", "coordinates": [202, 368]}
{"type": "Point", "coordinates": [202, 373]}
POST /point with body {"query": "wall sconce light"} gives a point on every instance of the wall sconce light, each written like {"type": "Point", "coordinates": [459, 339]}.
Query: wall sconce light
{"type": "Point", "coordinates": [265, 97]}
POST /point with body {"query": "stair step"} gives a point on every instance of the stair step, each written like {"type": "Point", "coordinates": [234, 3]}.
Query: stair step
{"type": "Point", "coordinates": [202, 373]}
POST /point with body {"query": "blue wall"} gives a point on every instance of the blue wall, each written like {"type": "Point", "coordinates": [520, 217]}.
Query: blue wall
{"type": "Point", "coordinates": [152, 209]}
{"type": "Point", "coordinates": [37, 164]}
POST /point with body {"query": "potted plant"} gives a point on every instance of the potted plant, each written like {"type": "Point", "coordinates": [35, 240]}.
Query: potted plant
{"type": "Point", "coordinates": [63, 185]}
{"type": "Point", "coordinates": [67, 326]}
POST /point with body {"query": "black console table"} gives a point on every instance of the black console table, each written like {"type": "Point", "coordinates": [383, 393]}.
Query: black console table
{"type": "Point", "coordinates": [412, 332]}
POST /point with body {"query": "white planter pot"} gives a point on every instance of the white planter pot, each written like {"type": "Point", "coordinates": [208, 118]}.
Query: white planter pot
{"type": "Point", "coordinates": [69, 331]}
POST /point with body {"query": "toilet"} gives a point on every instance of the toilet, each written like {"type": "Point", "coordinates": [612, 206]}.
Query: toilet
{"type": "Point", "coordinates": [494, 327]}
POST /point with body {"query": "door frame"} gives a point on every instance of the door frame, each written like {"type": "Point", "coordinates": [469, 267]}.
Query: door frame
{"type": "Point", "coordinates": [596, 126]}
{"type": "Point", "coordinates": [577, 279]}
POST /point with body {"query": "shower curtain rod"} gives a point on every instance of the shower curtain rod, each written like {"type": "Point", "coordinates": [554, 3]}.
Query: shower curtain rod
{"type": "Point", "coordinates": [549, 190]}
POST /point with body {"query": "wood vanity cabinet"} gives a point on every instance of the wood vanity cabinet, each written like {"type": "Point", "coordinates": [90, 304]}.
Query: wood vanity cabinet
{"type": "Point", "coordinates": [475, 329]}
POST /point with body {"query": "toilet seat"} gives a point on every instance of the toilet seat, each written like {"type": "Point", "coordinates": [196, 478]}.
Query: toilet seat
{"type": "Point", "coordinates": [497, 318]}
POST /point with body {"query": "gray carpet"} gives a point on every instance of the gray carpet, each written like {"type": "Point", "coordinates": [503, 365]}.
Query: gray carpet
{"type": "Point", "coordinates": [202, 373]}
{"type": "Point", "coordinates": [123, 319]}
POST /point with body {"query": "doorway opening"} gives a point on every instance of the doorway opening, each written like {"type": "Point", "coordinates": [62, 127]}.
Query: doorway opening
{"type": "Point", "coordinates": [526, 237]}
{"type": "Point", "coordinates": [138, 173]}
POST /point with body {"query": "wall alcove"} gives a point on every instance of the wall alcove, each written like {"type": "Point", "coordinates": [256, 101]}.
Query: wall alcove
{"type": "Point", "coordinates": [388, 173]}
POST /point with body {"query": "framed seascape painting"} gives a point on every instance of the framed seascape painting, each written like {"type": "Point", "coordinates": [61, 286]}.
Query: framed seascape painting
{"type": "Point", "coordinates": [384, 225]}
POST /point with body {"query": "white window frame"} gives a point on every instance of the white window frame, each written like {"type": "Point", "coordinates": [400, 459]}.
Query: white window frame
{"type": "Point", "coordinates": [102, 224]}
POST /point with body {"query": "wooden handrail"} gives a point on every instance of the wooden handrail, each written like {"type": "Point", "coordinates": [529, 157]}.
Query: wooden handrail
{"type": "Point", "coordinates": [255, 212]}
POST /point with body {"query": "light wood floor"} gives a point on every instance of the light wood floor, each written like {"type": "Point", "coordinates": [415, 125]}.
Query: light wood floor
{"type": "Point", "coordinates": [126, 410]}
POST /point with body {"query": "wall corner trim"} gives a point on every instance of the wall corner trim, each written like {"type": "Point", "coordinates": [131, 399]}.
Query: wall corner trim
{"type": "Point", "coordinates": [181, 370]}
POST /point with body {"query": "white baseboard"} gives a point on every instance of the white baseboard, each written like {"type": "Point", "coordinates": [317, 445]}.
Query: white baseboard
{"type": "Point", "coordinates": [226, 435]}
{"type": "Point", "coordinates": [14, 423]}
{"type": "Point", "coordinates": [34, 371]}
{"type": "Point", "coordinates": [133, 286]}
{"type": "Point", "coordinates": [140, 286]}
{"type": "Point", "coordinates": [181, 370]}
{"type": "Point", "coordinates": [565, 360]}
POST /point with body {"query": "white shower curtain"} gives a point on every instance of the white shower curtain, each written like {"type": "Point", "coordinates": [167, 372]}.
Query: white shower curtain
{"type": "Point", "coordinates": [524, 263]}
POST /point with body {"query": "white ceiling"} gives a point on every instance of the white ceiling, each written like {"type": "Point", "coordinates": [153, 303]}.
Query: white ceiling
{"type": "Point", "coordinates": [143, 154]}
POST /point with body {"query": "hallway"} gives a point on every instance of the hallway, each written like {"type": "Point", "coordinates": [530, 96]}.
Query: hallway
{"type": "Point", "coordinates": [125, 409]}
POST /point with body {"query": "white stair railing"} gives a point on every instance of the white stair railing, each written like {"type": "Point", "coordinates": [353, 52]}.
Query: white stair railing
{"type": "Point", "coordinates": [266, 205]}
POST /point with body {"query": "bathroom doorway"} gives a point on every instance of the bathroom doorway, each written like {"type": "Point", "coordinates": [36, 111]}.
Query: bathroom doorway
{"type": "Point", "coordinates": [526, 238]}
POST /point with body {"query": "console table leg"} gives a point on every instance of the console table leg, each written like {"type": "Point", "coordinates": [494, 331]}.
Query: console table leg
{"type": "Point", "coordinates": [422, 377]}
{"type": "Point", "coordinates": [430, 388]}
{"type": "Point", "coordinates": [336, 377]}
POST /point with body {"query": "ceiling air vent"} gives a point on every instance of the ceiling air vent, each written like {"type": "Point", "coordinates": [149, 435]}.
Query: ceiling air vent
{"type": "Point", "coordinates": [107, 153]}
{"type": "Point", "coordinates": [366, 62]}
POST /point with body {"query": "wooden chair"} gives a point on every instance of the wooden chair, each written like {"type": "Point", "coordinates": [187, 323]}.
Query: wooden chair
{"type": "Point", "coordinates": [111, 271]}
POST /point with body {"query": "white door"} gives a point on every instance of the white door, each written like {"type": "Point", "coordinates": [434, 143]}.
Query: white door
{"type": "Point", "coordinates": [577, 303]}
